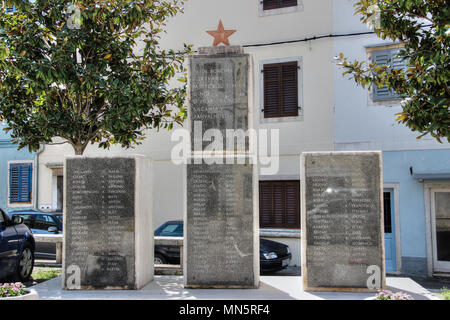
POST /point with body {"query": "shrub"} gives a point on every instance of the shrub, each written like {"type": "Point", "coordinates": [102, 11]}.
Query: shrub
{"type": "Point", "coordinates": [446, 293]}
{"type": "Point", "coordinates": [389, 295]}
{"type": "Point", "coordinates": [12, 289]}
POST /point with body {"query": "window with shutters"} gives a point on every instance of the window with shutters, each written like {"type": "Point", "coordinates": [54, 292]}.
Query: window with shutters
{"type": "Point", "coordinates": [20, 183]}
{"type": "Point", "coordinates": [279, 204]}
{"type": "Point", "coordinates": [281, 89]}
{"type": "Point", "coordinates": [275, 7]}
{"type": "Point", "coordinates": [11, 9]}
{"type": "Point", "coordinates": [277, 4]}
{"type": "Point", "coordinates": [386, 56]}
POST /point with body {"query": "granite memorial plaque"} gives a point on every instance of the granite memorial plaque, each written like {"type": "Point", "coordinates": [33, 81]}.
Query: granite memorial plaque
{"type": "Point", "coordinates": [108, 233]}
{"type": "Point", "coordinates": [219, 97]}
{"type": "Point", "coordinates": [221, 247]}
{"type": "Point", "coordinates": [342, 221]}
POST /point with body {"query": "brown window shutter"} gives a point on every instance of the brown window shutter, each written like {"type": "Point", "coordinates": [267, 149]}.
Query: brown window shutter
{"type": "Point", "coordinates": [275, 4]}
{"type": "Point", "coordinates": [293, 204]}
{"type": "Point", "coordinates": [281, 90]}
{"type": "Point", "coordinates": [279, 204]}
{"type": "Point", "coordinates": [271, 4]}
{"type": "Point", "coordinates": [288, 3]}
{"type": "Point", "coordinates": [289, 89]}
{"type": "Point", "coordinates": [265, 204]}
{"type": "Point", "coordinates": [272, 84]}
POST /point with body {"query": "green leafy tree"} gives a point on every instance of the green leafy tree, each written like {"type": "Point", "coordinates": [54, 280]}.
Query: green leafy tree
{"type": "Point", "coordinates": [88, 72]}
{"type": "Point", "coordinates": [423, 28]}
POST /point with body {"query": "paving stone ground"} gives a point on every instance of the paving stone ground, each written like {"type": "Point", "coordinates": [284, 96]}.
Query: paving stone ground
{"type": "Point", "coordinates": [271, 288]}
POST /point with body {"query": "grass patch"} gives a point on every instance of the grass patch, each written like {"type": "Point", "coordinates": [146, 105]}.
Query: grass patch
{"type": "Point", "coordinates": [45, 273]}
{"type": "Point", "coordinates": [445, 292]}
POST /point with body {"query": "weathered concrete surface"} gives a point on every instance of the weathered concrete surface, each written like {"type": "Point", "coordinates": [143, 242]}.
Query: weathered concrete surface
{"type": "Point", "coordinates": [220, 99]}
{"type": "Point", "coordinates": [221, 247]}
{"type": "Point", "coordinates": [342, 219]}
{"type": "Point", "coordinates": [108, 228]}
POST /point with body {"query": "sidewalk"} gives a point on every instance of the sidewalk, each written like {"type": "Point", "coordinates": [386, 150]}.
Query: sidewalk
{"type": "Point", "coordinates": [271, 288]}
{"type": "Point", "coordinates": [434, 284]}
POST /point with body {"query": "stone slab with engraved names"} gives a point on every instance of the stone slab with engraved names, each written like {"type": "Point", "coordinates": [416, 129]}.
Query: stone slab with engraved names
{"type": "Point", "coordinates": [342, 221]}
{"type": "Point", "coordinates": [219, 97]}
{"type": "Point", "coordinates": [221, 246]}
{"type": "Point", "coordinates": [107, 223]}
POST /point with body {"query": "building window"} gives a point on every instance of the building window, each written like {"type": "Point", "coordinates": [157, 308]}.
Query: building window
{"type": "Point", "coordinates": [281, 89]}
{"type": "Point", "coordinates": [279, 204]}
{"type": "Point", "coordinates": [11, 9]}
{"type": "Point", "coordinates": [387, 57]}
{"type": "Point", "coordinates": [20, 182]}
{"type": "Point", "coordinates": [277, 4]}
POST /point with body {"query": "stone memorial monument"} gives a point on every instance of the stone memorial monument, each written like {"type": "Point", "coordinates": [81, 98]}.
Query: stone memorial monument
{"type": "Point", "coordinates": [108, 228]}
{"type": "Point", "coordinates": [221, 229]}
{"type": "Point", "coordinates": [342, 221]}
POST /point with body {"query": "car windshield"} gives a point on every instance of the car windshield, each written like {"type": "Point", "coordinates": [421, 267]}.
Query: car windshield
{"type": "Point", "coordinates": [172, 230]}
{"type": "Point", "coordinates": [59, 216]}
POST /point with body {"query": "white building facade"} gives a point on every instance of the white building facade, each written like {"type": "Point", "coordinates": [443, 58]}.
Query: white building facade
{"type": "Point", "coordinates": [416, 173]}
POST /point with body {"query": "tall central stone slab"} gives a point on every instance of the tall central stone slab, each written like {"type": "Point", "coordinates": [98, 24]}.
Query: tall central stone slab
{"type": "Point", "coordinates": [220, 96]}
{"type": "Point", "coordinates": [221, 239]}
{"type": "Point", "coordinates": [221, 229]}
{"type": "Point", "coordinates": [108, 229]}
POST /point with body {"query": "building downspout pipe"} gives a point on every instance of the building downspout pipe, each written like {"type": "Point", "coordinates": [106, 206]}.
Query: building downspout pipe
{"type": "Point", "coordinates": [36, 165]}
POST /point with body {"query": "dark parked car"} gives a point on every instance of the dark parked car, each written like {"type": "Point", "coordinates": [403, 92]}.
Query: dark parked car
{"type": "Point", "coordinates": [16, 248]}
{"type": "Point", "coordinates": [41, 222]}
{"type": "Point", "coordinates": [168, 254]}
{"type": "Point", "coordinates": [274, 256]}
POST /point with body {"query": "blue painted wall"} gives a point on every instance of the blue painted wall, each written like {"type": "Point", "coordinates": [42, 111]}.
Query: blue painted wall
{"type": "Point", "coordinates": [396, 169]}
{"type": "Point", "coordinates": [8, 152]}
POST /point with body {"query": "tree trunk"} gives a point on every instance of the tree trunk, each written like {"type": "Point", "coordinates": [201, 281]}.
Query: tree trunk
{"type": "Point", "coordinates": [79, 149]}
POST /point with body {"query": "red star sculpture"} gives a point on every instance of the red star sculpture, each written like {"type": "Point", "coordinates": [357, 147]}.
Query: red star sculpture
{"type": "Point", "coordinates": [221, 35]}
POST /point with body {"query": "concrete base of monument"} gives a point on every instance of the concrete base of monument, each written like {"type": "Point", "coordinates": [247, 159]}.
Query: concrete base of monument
{"type": "Point", "coordinates": [271, 288]}
{"type": "Point", "coordinates": [193, 286]}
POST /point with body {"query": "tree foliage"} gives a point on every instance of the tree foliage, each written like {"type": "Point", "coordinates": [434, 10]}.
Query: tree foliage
{"type": "Point", "coordinates": [423, 28]}
{"type": "Point", "coordinates": [88, 72]}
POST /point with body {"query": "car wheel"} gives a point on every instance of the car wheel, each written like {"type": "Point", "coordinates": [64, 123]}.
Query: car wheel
{"type": "Point", "coordinates": [26, 263]}
{"type": "Point", "coordinates": [159, 259]}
